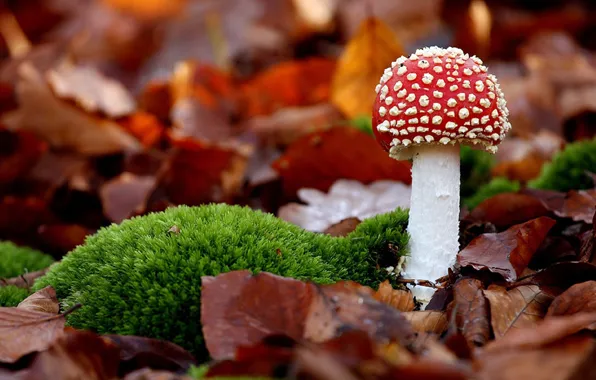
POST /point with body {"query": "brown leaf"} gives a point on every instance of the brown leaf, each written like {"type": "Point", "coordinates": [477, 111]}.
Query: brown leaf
{"type": "Point", "coordinates": [288, 84]}
{"type": "Point", "coordinates": [19, 152]}
{"type": "Point", "coordinates": [148, 9]}
{"type": "Point", "coordinates": [562, 275]}
{"type": "Point", "coordinates": [24, 280]}
{"type": "Point", "coordinates": [366, 56]}
{"type": "Point", "coordinates": [504, 210]}
{"type": "Point", "coordinates": [62, 237]}
{"type": "Point", "coordinates": [236, 310]}
{"type": "Point", "coordinates": [321, 158]}
{"type": "Point", "coordinates": [139, 352]}
{"type": "Point", "coordinates": [509, 252]}
{"type": "Point", "coordinates": [543, 332]}
{"type": "Point", "coordinates": [347, 305]}
{"type": "Point", "coordinates": [90, 90]}
{"type": "Point", "coordinates": [580, 298]}
{"type": "Point", "coordinates": [578, 205]}
{"type": "Point", "coordinates": [151, 374]}
{"type": "Point", "coordinates": [144, 126]}
{"type": "Point", "coordinates": [75, 355]}
{"type": "Point", "coordinates": [43, 301]}
{"type": "Point", "coordinates": [125, 194]}
{"type": "Point", "coordinates": [25, 331]}
{"type": "Point", "coordinates": [343, 228]}
{"type": "Point", "coordinates": [520, 307]}
{"type": "Point", "coordinates": [427, 321]}
{"type": "Point", "coordinates": [570, 358]}
{"type": "Point", "coordinates": [402, 300]}
{"type": "Point", "coordinates": [61, 124]}
{"type": "Point", "coordinates": [471, 311]}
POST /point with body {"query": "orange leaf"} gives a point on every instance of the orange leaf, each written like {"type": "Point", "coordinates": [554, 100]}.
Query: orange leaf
{"type": "Point", "coordinates": [319, 159]}
{"type": "Point", "coordinates": [402, 300]}
{"type": "Point", "coordinates": [148, 9]}
{"type": "Point", "coordinates": [145, 127]}
{"type": "Point", "coordinates": [430, 321]}
{"type": "Point", "coordinates": [579, 298]}
{"type": "Point", "coordinates": [298, 83]}
{"type": "Point", "coordinates": [367, 55]}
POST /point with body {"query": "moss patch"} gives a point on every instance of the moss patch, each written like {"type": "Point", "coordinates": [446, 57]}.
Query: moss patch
{"type": "Point", "coordinates": [15, 260]}
{"type": "Point", "coordinates": [140, 278]}
{"type": "Point", "coordinates": [11, 296]}
{"type": "Point", "coordinates": [567, 171]}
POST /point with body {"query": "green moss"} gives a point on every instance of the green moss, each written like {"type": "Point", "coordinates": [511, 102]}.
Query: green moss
{"type": "Point", "coordinates": [200, 372]}
{"type": "Point", "coordinates": [567, 171]}
{"type": "Point", "coordinates": [476, 165]}
{"type": "Point", "coordinates": [138, 278]}
{"type": "Point", "coordinates": [15, 260]}
{"type": "Point", "coordinates": [11, 296]}
{"type": "Point", "coordinates": [495, 186]}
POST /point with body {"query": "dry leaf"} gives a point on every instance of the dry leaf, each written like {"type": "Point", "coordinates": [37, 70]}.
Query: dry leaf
{"type": "Point", "coordinates": [25, 331]}
{"type": "Point", "coordinates": [471, 311]}
{"type": "Point", "coordinates": [90, 90]}
{"type": "Point", "coordinates": [580, 298]}
{"type": "Point", "coordinates": [343, 228]}
{"type": "Point", "coordinates": [148, 9]}
{"type": "Point", "coordinates": [507, 209]}
{"type": "Point", "coordinates": [61, 124]}
{"type": "Point", "coordinates": [520, 307]}
{"type": "Point", "coordinates": [125, 195]}
{"type": "Point", "coordinates": [43, 301]}
{"type": "Point", "coordinates": [429, 321]}
{"type": "Point", "coordinates": [366, 56]}
{"type": "Point", "coordinates": [402, 300]}
{"type": "Point", "coordinates": [19, 152]}
{"type": "Point", "coordinates": [507, 253]}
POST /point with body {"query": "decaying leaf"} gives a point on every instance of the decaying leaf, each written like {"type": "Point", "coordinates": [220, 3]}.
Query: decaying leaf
{"type": "Point", "coordinates": [126, 194]}
{"type": "Point", "coordinates": [471, 311]}
{"type": "Point", "coordinates": [402, 300]}
{"type": "Point", "coordinates": [366, 56]}
{"type": "Point", "coordinates": [578, 205]}
{"type": "Point", "coordinates": [19, 152]}
{"type": "Point", "coordinates": [507, 253]}
{"type": "Point", "coordinates": [343, 228]}
{"type": "Point", "coordinates": [61, 124]}
{"type": "Point", "coordinates": [580, 298]}
{"type": "Point", "coordinates": [520, 307]}
{"type": "Point", "coordinates": [319, 159]}
{"type": "Point", "coordinates": [507, 209]}
{"type": "Point", "coordinates": [43, 301]}
{"type": "Point", "coordinates": [429, 321]}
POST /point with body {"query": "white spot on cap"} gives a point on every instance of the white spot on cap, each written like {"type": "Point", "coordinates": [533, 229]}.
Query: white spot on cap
{"type": "Point", "coordinates": [378, 88]}
{"type": "Point", "coordinates": [436, 131]}
{"type": "Point", "coordinates": [411, 98]}
{"type": "Point", "coordinates": [411, 111]}
{"type": "Point", "coordinates": [475, 121]}
{"type": "Point", "coordinates": [437, 120]}
{"type": "Point", "coordinates": [423, 64]}
{"type": "Point", "coordinates": [461, 96]}
{"type": "Point", "coordinates": [402, 93]}
{"type": "Point", "coordinates": [393, 111]}
{"type": "Point", "coordinates": [415, 86]}
{"type": "Point", "coordinates": [450, 125]}
{"type": "Point", "coordinates": [421, 129]}
{"type": "Point", "coordinates": [401, 105]}
{"type": "Point", "coordinates": [468, 71]}
{"type": "Point", "coordinates": [488, 128]}
{"type": "Point", "coordinates": [437, 69]}
{"type": "Point", "coordinates": [406, 142]}
{"type": "Point", "coordinates": [429, 138]}
{"type": "Point", "coordinates": [484, 102]}
{"type": "Point", "coordinates": [413, 120]}
{"type": "Point", "coordinates": [413, 57]}
{"type": "Point", "coordinates": [424, 119]}
{"type": "Point", "coordinates": [484, 119]}
{"type": "Point", "coordinates": [471, 98]}
{"type": "Point", "coordinates": [382, 111]}
{"type": "Point", "coordinates": [462, 130]}
{"type": "Point", "coordinates": [441, 83]}
{"type": "Point", "coordinates": [477, 110]}
{"type": "Point", "coordinates": [495, 136]}
{"type": "Point", "coordinates": [464, 113]}
{"type": "Point", "coordinates": [395, 142]}
{"type": "Point", "coordinates": [386, 75]}
{"type": "Point", "coordinates": [453, 87]}
{"type": "Point", "coordinates": [437, 60]}
{"type": "Point", "coordinates": [401, 123]}
{"type": "Point", "coordinates": [448, 65]}
{"type": "Point", "coordinates": [383, 127]}
{"type": "Point", "coordinates": [411, 76]}
{"type": "Point", "coordinates": [491, 95]}
{"type": "Point", "coordinates": [384, 91]}
{"type": "Point", "coordinates": [402, 70]}
{"type": "Point", "coordinates": [444, 140]}
{"type": "Point", "coordinates": [451, 102]}
{"type": "Point", "coordinates": [437, 94]}
{"type": "Point", "coordinates": [466, 84]}
{"type": "Point", "coordinates": [437, 106]}
{"type": "Point", "coordinates": [495, 113]}
{"type": "Point", "coordinates": [424, 101]}
{"type": "Point", "coordinates": [479, 86]}
{"type": "Point", "coordinates": [417, 139]}
{"type": "Point", "coordinates": [388, 100]}
{"type": "Point", "coordinates": [427, 78]}
{"type": "Point", "coordinates": [451, 114]}
{"type": "Point", "coordinates": [397, 85]}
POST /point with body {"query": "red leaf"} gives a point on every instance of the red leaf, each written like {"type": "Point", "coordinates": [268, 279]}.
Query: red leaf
{"type": "Point", "coordinates": [319, 159]}
{"type": "Point", "coordinates": [471, 311]}
{"type": "Point", "coordinates": [509, 252]}
{"type": "Point", "coordinates": [504, 210]}
{"type": "Point", "coordinates": [579, 298]}
{"type": "Point", "coordinates": [578, 205]}
{"type": "Point", "coordinates": [19, 152]}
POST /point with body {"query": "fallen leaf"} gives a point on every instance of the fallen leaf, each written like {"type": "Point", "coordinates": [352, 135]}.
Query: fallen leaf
{"type": "Point", "coordinates": [471, 311]}
{"type": "Point", "coordinates": [22, 215]}
{"type": "Point", "coordinates": [151, 374]}
{"type": "Point", "coordinates": [62, 238]}
{"type": "Point", "coordinates": [139, 352]}
{"type": "Point", "coordinates": [74, 355]}
{"type": "Point", "coordinates": [321, 158]}
{"type": "Point", "coordinates": [19, 152]}
{"type": "Point", "coordinates": [580, 298]}
{"type": "Point", "coordinates": [562, 275]}
{"type": "Point", "coordinates": [143, 126]}
{"type": "Point", "coordinates": [427, 321]}
{"type": "Point", "coordinates": [25, 331]}
{"type": "Point", "coordinates": [90, 90]}
{"type": "Point", "coordinates": [288, 84]}
{"type": "Point", "coordinates": [401, 300]}
{"type": "Point", "coordinates": [507, 253]}
{"type": "Point", "coordinates": [579, 205]}
{"type": "Point", "coordinates": [125, 194]}
{"type": "Point", "coordinates": [148, 9]}
{"type": "Point", "coordinates": [61, 124]}
{"type": "Point", "coordinates": [343, 228]}
{"type": "Point", "coordinates": [370, 51]}
{"type": "Point", "coordinates": [25, 280]}
{"type": "Point", "coordinates": [43, 301]}
{"type": "Point", "coordinates": [520, 307]}
{"type": "Point", "coordinates": [504, 210]}
{"type": "Point", "coordinates": [347, 305]}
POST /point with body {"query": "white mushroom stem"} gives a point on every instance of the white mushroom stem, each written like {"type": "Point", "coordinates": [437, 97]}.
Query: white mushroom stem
{"type": "Point", "coordinates": [434, 215]}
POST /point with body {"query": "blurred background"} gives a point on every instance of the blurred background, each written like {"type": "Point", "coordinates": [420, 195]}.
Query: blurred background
{"type": "Point", "coordinates": [114, 108]}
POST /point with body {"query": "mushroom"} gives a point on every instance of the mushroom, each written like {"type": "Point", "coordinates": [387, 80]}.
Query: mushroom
{"type": "Point", "coordinates": [426, 106]}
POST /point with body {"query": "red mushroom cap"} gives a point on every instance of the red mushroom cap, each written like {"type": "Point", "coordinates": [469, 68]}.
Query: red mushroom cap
{"type": "Point", "coordinates": [439, 96]}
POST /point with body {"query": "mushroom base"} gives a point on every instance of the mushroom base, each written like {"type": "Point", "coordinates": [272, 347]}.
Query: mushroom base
{"type": "Point", "coordinates": [434, 215]}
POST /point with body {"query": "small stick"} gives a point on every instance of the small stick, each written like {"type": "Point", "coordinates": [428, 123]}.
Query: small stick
{"type": "Point", "coordinates": [426, 283]}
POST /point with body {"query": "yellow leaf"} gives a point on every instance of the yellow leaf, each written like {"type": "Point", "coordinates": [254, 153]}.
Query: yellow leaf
{"type": "Point", "coordinates": [367, 55]}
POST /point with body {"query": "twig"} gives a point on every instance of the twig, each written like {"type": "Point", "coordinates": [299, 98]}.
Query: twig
{"type": "Point", "coordinates": [72, 309]}
{"type": "Point", "coordinates": [23, 280]}
{"type": "Point", "coordinates": [426, 283]}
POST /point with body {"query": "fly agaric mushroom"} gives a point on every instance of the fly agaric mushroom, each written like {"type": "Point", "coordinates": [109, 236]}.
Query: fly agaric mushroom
{"type": "Point", "coordinates": [426, 106]}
